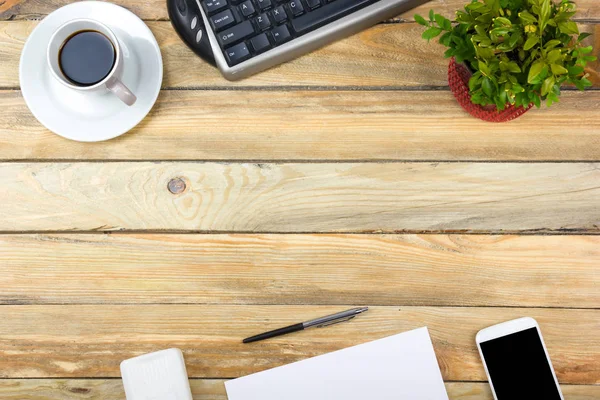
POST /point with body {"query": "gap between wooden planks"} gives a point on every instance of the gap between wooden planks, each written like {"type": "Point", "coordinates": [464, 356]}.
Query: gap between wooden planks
{"type": "Point", "coordinates": [386, 56]}
{"type": "Point", "coordinates": [75, 341]}
{"type": "Point", "coordinates": [318, 125]}
{"type": "Point", "coordinates": [297, 197]}
{"type": "Point", "coordinates": [156, 9]}
{"type": "Point", "coordinates": [459, 270]}
{"type": "Point", "coordinates": [214, 389]}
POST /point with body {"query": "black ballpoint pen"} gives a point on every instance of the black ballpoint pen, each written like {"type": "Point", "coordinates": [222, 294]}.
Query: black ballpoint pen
{"type": "Point", "coordinates": [318, 322]}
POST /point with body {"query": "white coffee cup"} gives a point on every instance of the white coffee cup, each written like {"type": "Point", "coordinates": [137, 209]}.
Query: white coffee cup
{"type": "Point", "coordinates": [112, 82]}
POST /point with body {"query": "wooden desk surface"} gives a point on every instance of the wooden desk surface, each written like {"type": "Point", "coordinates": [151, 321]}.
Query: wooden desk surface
{"type": "Point", "coordinates": [347, 177]}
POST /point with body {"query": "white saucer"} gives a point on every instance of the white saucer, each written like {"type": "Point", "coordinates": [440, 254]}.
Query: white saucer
{"type": "Point", "coordinates": [89, 117]}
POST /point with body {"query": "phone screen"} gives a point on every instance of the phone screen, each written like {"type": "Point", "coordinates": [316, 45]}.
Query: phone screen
{"type": "Point", "coordinates": [518, 367]}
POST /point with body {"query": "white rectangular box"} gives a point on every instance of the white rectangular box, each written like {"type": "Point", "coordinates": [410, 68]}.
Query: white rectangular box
{"type": "Point", "coordinates": [156, 376]}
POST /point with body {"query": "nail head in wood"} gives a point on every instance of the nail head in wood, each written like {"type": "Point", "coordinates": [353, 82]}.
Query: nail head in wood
{"type": "Point", "coordinates": [176, 185]}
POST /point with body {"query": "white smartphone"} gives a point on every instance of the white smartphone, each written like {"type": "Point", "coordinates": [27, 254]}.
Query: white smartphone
{"type": "Point", "coordinates": [516, 361]}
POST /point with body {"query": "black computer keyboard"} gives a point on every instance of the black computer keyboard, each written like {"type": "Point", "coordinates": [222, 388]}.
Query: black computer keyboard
{"type": "Point", "coordinates": [242, 37]}
{"type": "Point", "coordinates": [246, 28]}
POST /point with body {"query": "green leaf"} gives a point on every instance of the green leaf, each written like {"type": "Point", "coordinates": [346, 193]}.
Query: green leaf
{"type": "Point", "coordinates": [578, 84]}
{"type": "Point", "coordinates": [537, 101]}
{"type": "Point", "coordinates": [531, 41]}
{"type": "Point", "coordinates": [476, 6]}
{"type": "Point", "coordinates": [586, 50]}
{"type": "Point", "coordinates": [500, 105]}
{"type": "Point", "coordinates": [499, 31]}
{"type": "Point", "coordinates": [443, 22]}
{"type": "Point", "coordinates": [446, 39]}
{"type": "Point", "coordinates": [431, 15]}
{"type": "Point", "coordinates": [544, 14]}
{"type": "Point", "coordinates": [547, 85]}
{"type": "Point", "coordinates": [569, 28]}
{"type": "Point", "coordinates": [485, 70]}
{"type": "Point", "coordinates": [558, 69]}
{"type": "Point", "coordinates": [551, 44]}
{"type": "Point", "coordinates": [503, 98]}
{"type": "Point", "coordinates": [535, 71]}
{"type": "Point", "coordinates": [474, 81]}
{"type": "Point", "coordinates": [431, 33]}
{"type": "Point", "coordinates": [484, 52]}
{"type": "Point", "coordinates": [551, 99]}
{"type": "Point", "coordinates": [482, 40]}
{"type": "Point", "coordinates": [575, 70]}
{"type": "Point", "coordinates": [447, 25]}
{"type": "Point", "coordinates": [501, 21]}
{"type": "Point", "coordinates": [564, 16]}
{"type": "Point", "coordinates": [514, 38]}
{"type": "Point", "coordinates": [527, 17]}
{"type": "Point", "coordinates": [510, 66]}
{"type": "Point", "coordinates": [464, 17]}
{"type": "Point", "coordinates": [504, 47]}
{"type": "Point", "coordinates": [583, 36]}
{"type": "Point", "coordinates": [485, 18]}
{"type": "Point", "coordinates": [420, 20]}
{"type": "Point", "coordinates": [514, 67]}
{"type": "Point", "coordinates": [487, 87]}
{"type": "Point", "coordinates": [554, 56]}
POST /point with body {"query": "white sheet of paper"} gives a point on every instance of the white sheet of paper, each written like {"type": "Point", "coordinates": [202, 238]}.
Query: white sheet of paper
{"type": "Point", "coordinates": [399, 367]}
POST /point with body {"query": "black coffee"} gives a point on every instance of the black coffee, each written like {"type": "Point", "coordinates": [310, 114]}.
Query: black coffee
{"type": "Point", "coordinates": [86, 58]}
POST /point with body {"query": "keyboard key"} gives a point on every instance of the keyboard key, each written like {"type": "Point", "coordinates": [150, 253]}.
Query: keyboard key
{"type": "Point", "coordinates": [281, 34]}
{"type": "Point", "coordinates": [279, 14]}
{"type": "Point", "coordinates": [260, 43]}
{"type": "Point", "coordinates": [264, 4]}
{"type": "Point", "coordinates": [313, 4]}
{"type": "Point", "coordinates": [326, 13]}
{"type": "Point", "coordinates": [247, 8]}
{"type": "Point", "coordinates": [222, 20]}
{"type": "Point", "coordinates": [235, 34]}
{"type": "Point", "coordinates": [212, 6]}
{"type": "Point", "coordinates": [238, 53]}
{"type": "Point", "coordinates": [263, 21]}
{"type": "Point", "coordinates": [296, 7]}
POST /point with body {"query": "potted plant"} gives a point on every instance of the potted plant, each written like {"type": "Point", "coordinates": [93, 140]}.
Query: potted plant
{"type": "Point", "coordinates": [508, 55]}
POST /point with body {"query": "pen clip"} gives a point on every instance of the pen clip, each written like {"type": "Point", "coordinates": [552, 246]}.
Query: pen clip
{"type": "Point", "coordinates": [337, 321]}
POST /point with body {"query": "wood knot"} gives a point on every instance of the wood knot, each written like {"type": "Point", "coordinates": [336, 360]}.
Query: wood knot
{"type": "Point", "coordinates": [79, 390]}
{"type": "Point", "coordinates": [176, 185]}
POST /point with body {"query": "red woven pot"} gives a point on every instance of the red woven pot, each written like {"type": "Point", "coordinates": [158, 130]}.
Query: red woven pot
{"type": "Point", "coordinates": [458, 78]}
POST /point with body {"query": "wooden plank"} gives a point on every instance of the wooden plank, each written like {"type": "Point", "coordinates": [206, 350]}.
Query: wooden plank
{"type": "Point", "coordinates": [155, 9]}
{"type": "Point", "coordinates": [74, 341]}
{"type": "Point", "coordinates": [384, 56]}
{"type": "Point", "coordinates": [311, 197]}
{"type": "Point", "coordinates": [214, 389]}
{"type": "Point", "coordinates": [301, 269]}
{"type": "Point", "coordinates": [340, 125]}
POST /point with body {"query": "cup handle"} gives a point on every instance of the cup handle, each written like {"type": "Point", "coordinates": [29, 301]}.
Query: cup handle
{"type": "Point", "coordinates": [121, 91]}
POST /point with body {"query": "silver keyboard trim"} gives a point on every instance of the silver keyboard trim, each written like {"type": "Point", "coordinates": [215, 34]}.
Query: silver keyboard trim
{"type": "Point", "coordinates": [350, 24]}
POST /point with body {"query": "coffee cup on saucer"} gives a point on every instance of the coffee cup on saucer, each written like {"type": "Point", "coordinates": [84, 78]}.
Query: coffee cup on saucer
{"type": "Point", "coordinates": [86, 96]}
{"type": "Point", "coordinates": [85, 55]}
